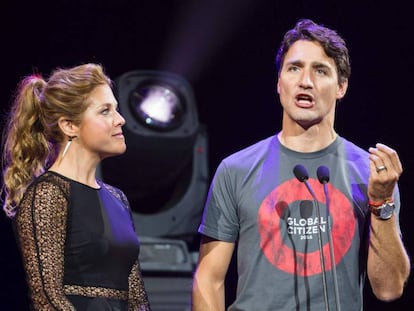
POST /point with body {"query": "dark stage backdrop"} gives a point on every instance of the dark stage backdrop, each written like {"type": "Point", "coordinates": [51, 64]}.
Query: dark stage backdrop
{"type": "Point", "coordinates": [226, 50]}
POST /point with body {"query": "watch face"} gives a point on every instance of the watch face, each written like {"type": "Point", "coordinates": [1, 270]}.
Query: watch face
{"type": "Point", "coordinates": [386, 211]}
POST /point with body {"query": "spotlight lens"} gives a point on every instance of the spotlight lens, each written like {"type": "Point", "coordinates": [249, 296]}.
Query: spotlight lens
{"type": "Point", "coordinates": [157, 106]}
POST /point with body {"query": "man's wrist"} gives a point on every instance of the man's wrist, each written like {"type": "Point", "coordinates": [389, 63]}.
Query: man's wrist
{"type": "Point", "coordinates": [383, 210]}
{"type": "Point", "coordinates": [372, 203]}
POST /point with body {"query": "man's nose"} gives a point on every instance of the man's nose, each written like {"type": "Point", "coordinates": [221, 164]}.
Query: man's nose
{"type": "Point", "coordinates": [306, 80]}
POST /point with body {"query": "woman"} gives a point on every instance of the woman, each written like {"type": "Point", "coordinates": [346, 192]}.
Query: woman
{"type": "Point", "coordinates": [75, 233]}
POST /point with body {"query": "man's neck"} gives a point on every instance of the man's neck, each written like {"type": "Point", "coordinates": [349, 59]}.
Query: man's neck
{"type": "Point", "coordinates": [310, 140]}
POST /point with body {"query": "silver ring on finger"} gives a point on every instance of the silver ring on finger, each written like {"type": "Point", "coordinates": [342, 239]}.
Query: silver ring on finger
{"type": "Point", "coordinates": [381, 168]}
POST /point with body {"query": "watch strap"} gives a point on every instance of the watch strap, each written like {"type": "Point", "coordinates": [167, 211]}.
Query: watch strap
{"type": "Point", "coordinates": [378, 210]}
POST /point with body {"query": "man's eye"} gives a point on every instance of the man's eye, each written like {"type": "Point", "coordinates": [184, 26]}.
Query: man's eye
{"type": "Point", "coordinates": [321, 72]}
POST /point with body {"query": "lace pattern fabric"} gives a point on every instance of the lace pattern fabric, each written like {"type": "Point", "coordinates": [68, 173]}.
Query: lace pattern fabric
{"type": "Point", "coordinates": [91, 291]}
{"type": "Point", "coordinates": [41, 225]}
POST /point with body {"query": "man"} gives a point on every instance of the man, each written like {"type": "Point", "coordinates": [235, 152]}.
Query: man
{"type": "Point", "coordinates": [312, 214]}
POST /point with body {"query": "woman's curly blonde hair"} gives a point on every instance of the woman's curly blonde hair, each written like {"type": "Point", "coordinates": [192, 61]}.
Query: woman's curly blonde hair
{"type": "Point", "coordinates": [32, 137]}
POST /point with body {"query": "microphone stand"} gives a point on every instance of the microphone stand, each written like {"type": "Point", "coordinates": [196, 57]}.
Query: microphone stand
{"type": "Point", "coordinates": [331, 248]}
{"type": "Point", "coordinates": [302, 175]}
{"type": "Point", "coordinates": [325, 290]}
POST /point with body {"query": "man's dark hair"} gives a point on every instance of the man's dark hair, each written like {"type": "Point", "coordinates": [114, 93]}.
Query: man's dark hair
{"type": "Point", "coordinates": [332, 43]}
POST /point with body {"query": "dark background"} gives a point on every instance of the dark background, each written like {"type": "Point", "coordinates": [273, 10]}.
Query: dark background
{"type": "Point", "coordinates": [226, 50]}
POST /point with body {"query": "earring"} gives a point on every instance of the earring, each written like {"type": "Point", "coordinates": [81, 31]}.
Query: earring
{"type": "Point", "coordinates": [70, 138]}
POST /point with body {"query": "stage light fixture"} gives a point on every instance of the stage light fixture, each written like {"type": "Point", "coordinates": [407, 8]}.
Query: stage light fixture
{"type": "Point", "coordinates": [164, 171]}
{"type": "Point", "coordinates": [157, 107]}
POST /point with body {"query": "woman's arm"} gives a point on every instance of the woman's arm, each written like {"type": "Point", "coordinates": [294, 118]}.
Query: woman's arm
{"type": "Point", "coordinates": [41, 229]}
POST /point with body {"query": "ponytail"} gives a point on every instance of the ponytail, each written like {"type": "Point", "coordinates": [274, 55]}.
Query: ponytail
{"type": "Point", "coordinates": [25, 147]}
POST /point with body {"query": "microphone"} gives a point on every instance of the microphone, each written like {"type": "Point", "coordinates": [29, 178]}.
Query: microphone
{"type": "Point", "coordinates": [302, 175]}
{"type": "Point", "coordinates": [323, 176]}
{"type": "Point", "coordinates": [300, 172]}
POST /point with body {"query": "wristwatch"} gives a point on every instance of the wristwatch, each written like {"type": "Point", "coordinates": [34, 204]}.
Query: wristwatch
{"type": "Point", "coordinates": [383, 211]}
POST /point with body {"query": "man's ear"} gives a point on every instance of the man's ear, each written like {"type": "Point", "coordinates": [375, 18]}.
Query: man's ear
{"type": "Point", "coordinates": [68, 127]}
{"type": "Point", "coordinates": [342, 88]}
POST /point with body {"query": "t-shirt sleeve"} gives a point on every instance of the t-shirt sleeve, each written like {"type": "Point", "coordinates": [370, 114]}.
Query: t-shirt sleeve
{"type": "Point", "coordinates": [220, 217]}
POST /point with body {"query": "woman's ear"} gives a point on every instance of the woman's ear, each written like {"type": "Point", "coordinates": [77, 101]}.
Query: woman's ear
{"type": "Point", "coordinates": [68, 127]}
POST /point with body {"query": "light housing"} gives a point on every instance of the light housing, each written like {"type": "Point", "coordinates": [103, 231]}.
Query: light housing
{"type": "Point", "coordinates": [164, 171]}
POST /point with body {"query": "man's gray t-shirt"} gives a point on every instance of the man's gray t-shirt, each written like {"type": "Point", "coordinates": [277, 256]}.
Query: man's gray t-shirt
{"type": "Point", "coordinates": [256, 201]}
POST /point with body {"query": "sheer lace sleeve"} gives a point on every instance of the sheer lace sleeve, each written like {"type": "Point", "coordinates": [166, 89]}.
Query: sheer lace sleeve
{"type": "Point", "coordinates": [137, 296]}
{"type": "Point", "coordinates": [41, 228]}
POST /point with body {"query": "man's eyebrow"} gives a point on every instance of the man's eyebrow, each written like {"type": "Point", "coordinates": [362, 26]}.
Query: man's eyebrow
{"type": "Point", "coordinates": [295, 62]}
{"type": "Point", "coordinates": [321, 65]}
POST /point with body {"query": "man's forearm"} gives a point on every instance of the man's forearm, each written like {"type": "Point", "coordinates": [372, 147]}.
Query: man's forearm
{"type": "Point", "coordinates": [388, 262]}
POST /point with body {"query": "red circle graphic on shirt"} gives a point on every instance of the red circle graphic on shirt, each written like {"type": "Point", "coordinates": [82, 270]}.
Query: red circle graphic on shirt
{"type": "Point", "coordinates": [272, 226]}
